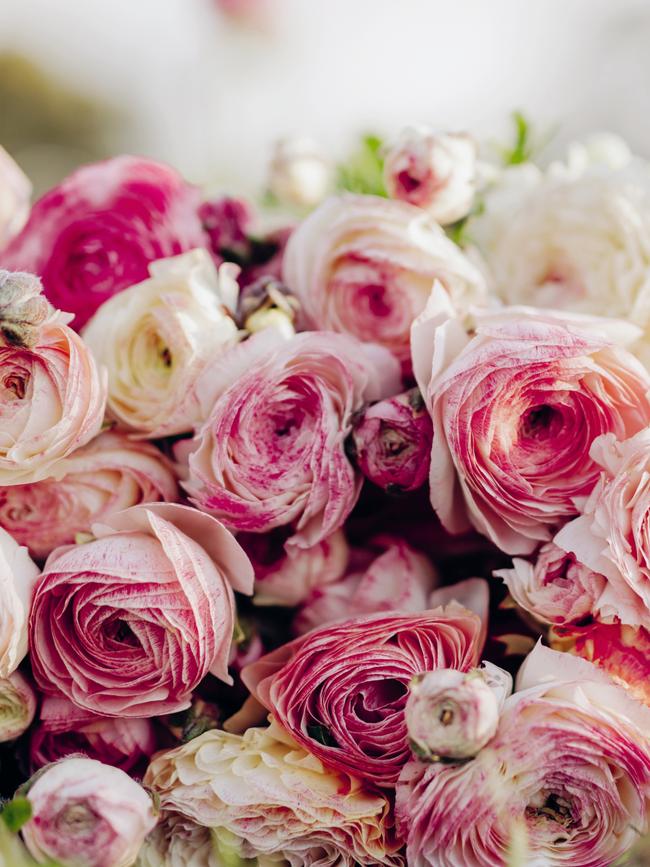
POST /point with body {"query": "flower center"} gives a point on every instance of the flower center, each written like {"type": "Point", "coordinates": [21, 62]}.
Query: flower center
{"type": "Point", "coordinates": [16, 384]}
{"type": "Point", "coordinates": [539, 422]}
{"type": "Point", "coordinates": [76, 819]}
{"type": "Point", "coordinates": [554, 809]}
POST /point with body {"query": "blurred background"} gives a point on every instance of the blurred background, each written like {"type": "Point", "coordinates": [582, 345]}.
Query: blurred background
{"type": "Point", "coordinates": [209, 85]}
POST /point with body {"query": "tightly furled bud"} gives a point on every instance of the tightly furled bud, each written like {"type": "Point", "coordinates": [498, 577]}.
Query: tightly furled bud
{"type": "Point", "coordinates": [267, 303]}
{"type": "Point", "coordinates": [392, 442]}
{"type": "Point", "coordinates": [23, 308]}
{"type": "Point", "coordinates": [17, 707]}
{"type": "Point", "coordinates": [299, 175]}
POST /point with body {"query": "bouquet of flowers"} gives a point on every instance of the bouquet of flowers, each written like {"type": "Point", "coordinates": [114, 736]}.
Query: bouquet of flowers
{"type": "Point", "coordinates": [325, 536]}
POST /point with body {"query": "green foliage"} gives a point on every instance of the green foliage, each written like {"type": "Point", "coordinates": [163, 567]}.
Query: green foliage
{"type": "Point", "coordinates": [16, 813]}
{"type": "Point", "coordinates": [363, 171]}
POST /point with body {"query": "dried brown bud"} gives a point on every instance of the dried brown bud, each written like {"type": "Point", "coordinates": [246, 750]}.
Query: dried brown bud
{"type": "Point", "coordinates": [23, 308]}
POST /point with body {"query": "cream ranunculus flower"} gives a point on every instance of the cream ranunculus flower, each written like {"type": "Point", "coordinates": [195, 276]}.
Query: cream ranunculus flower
{"type": "Point", "coordinates": [178, 842]}
{"type": "Point", "coordinates": [17, 706]}
{"type": "Point", "coordinates": [267, 797]}
{"type": "Point", "coordinates": [158, 336]}
{"type": "Point", "coordinates": [15, 190]}
{"type": "Point", "coordinates": [18, 576]}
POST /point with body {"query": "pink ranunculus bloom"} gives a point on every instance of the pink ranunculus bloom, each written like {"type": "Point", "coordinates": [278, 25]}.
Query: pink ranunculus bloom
{"type": "Point", "coordinates": [568, 771]}
{"type": "Point", "coordinates": [129, 624]}
{"type": "Point", "coordinates": [52, 395]}
{"type": "Point", "coordinates": [17, 706]}
{"type": "Point", "coordinates": [85, 812]}
{"type": "Point", "coordinates": [95, 233]}
{"type": "Point", "coordinates": [340, 690]}
{"type": "Point", "coordinates": [62, 729]}
{"type": "Point", "coordinates": [612, 535]}
{"type": "Point", "coordinates": [392, 442]}
{"type": "Point", "coordinates": [108, 475]}
{"type": "Point", "coordinates": [18, 577]}
{"type": "Point", "coordinates": [364, 265]}
{"type": "Point", "coordinates": [287, 575]}
{"type": "Point", "coordinates": [398, 578]}
{"type": "Point", "coordinates": [515, 410]}
{"type": "Point", "coordinates": [555, 588]}
{"type": "Point", "coordinates": [272, 450]}
{"type": "Point", "coordinates": [15, 192]}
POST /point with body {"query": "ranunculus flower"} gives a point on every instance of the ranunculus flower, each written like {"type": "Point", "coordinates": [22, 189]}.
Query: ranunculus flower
{"type": "Point", "coordinates": [52, 395]}
{"type": "Point", "coordinates": [392, 442]}
{"type": "Point", "coordinates": [15, 192]}
{"type": "Point", "coordinates": [515, 410]}
{"type": "Point", "coordinates": [179, 842]}
{"type": "Point", "coordinates": [299, 174]}
{"type": "Point", "coordinates": [569, 766]}
{"type": "Point", "coordinates": [340, 690]}
{"type": "Point", "coordinates": [63, 729]}
{"type": "Point", "coordinates": [436, 171]}
{"type": "Point", "coordinates": [156, 338]}
{"type": "Point", "coordinates": [612, 535]}
{"type": "Point", "coordinates": [452, 714]}
{"type": "Point", "coordinates": [87, 813]}
{"type": "Point", "coordinates": [272, 450]}
{"type": "Point", "coordinates": [556, 588]}
{"type": "Point", "coordinates": [18, 577]}
{"type": "Point", "coordinates": [397, 579]}
{"type": "Point", "coordinates": [286, 574]}
{"type": "Point", "coordinates": [95, 233]}
{"type": "Point", "coordinates": [364, 265]}
{"type": "Point", "coordinates": [129, 624]}
{"type": "Point", "coordinates": [227, 222]}
{"type": "Point", "coordinates": [266, 796]}
{"type": "Point", "coordinates": [17, 706]}
{"type": "Point", "coordinates": [109, 474]}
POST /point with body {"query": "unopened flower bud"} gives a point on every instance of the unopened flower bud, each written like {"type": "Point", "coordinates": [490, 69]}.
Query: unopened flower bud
{"type": "Point", "coordinates": [267, 303]}
{"type": "Point", "coordinates": [298, 174]}
{"type": "Point", "coordinates": [23, 309]}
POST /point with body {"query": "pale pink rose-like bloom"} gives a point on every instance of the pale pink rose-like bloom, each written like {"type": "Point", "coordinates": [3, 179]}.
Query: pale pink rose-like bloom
{"type": "Point", "coordinates": [433, 170]}
{"type": "Point", "coordinates": [15, 192]}
{"type": "Point", "coordinates": [272, 450]}
{"type": "Point", "coordinates": [555, 588]}
{"type": "Point", "coordinates": [569, 766]}
{"type": "Point", "coordinates": [52, 395]}
{"type": "Point", "coordinates": [398, 579]}
{"type": "Point", "coordinates": [129, 624]}
{"type": "Point", "coordinates": [286, 574]}
{"type": "Point", "coordinates": [18, 577]}
{"type": "Point", "coordinates": [612, 536]}
{"type": "Point", "coordinates": [85, 812]}
{"type": "Point", "coordinates": [515, 410]}
{"type": "Point", "coordinates": [62, 729]}
{"type": "Point", "coordinates": [96, 232]}
{"type": "Point", "coordinates": [108, 475]}
{"type": "Point", "coordinates": [364, 265]}
{"type": "Point", "coordinates": [264, 796]}
{"type": "Point", "coordinates": [340, 690]}
{"type": "Point", "coordinates": [17, 706]}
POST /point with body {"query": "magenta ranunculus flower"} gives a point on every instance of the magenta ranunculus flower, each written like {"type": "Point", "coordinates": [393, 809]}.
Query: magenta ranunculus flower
{"type": "Point", "coordinates": [108, 475]}
{"type": "Point", "coordinates": [95, 233]}
{"type": "Point", "coordinates": [515, 410]}
{"type": "Point", "coordinates": [129, 624]}
{"type": "Point", "coordinates": [272, 450]}
{"type": "Point", "coordinates": [392, 442]}
{"type": "Point", "coordinates": [340, 690]}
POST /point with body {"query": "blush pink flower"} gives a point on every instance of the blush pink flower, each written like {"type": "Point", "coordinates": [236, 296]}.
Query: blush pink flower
{"type": "Point", "coordinates": [62, 729]}
{"type": "Point", "coordinates": [568, 769]}
{"type": "Point", "coordinates": [95, 233]}
{"type": "Point", "coordinates": [340, 690]}
{"type": "Point", "coordinates": [364, 265]}
{"type": "Point", "coordinates": [129, 624]}
{"type": "Point", "coordinates": [15, 192]}
{"type": "Point", "coordinates": [272, 450]}
{"type": "Point", "coordinates": [108, 475]}
{"type": "Point", "coordinates": [397, 579]}
{"type": "Point", "coordinates": [18, 577]}
{"type": "Point", "coordinates": [515, 410]}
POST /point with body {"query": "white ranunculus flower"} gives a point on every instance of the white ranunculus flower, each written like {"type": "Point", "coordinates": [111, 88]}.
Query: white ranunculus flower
{"type": "Point", "coordinates": [18, 576]}
{"type": "Point", "coordinates": [299, 175]}
{"type": "Point", "coordinates": [17, 706]}
{"type": "Point", "coordinates": [158, 336]}
{"type": "Point", "coordinates": [15, 191]}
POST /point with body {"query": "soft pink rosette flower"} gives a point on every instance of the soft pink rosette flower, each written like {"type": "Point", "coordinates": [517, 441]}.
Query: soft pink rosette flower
{"type": "Point", "coordinates": [340, 690]}
{"type": "Point", "coordinates": [52, 395]}
{"type": "Point", "coordinates": [129, 624]}
{"type": "Point", "coordinates": [555, 588]}
{"type": "Point", "coordinates": [272, 451]}
{"type": "Point", "coordinates": [436, 171]}
{"type": "Point", "coordinates": [515, 410]}
{"type": "Point", "coordinates": [397, 579]}
{"type": "Point", "coordinates": [17, 706]}
{"type": "Point", "coordinates": [108, 475]}
{"type": "Point", "coordinates": [95, 233]}
{"type": "Point", "coordinates": [569, 767]}
{"type": "Point", "coordinates": [84, 812]}
{"type": "Point", "coordinates": [364, 265]}
{"type": "Point", "coordinates": [266, 797]}
{"type": "Point", "coordinates": [63, 729]}
{"type": "Point", "coordinates": [286, 574]}
{"type": "Point", "coordinates": [612, 535]}
{"type": "Point", "coordinates": [18, 577]}
{"type": "Point", "coordinates": [392, 442]}
{"type": "Point", "coordinates": [15, 192]}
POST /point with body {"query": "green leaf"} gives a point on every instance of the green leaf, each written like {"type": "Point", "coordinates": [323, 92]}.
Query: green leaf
{"type": "Point", "coordinates": [16, 813]}
{"type": "Point", "coordinates": [322, 735]}
{"type": "Point", "coordinates": [363, 171]}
